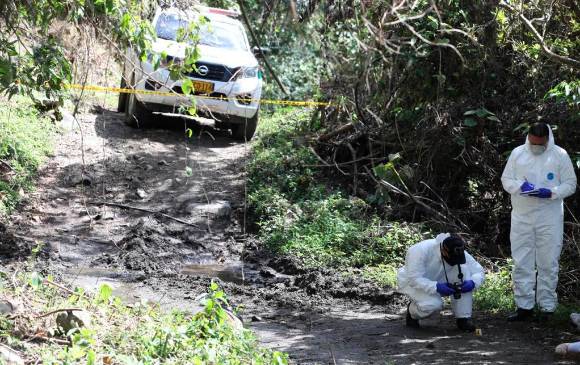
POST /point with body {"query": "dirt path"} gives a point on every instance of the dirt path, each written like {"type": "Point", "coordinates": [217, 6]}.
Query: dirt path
{"type": "Point", "coordinates": [200, 181]}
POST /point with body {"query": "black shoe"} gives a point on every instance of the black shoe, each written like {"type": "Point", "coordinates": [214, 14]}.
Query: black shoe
{"type": "Point", "coordinates": [410, 321]}
{"type": "Point", "coordinates": [465, 324]}
{"type": "Point", "coordinates": [544, 317]}
{"type": "Point", "coordinates": [521, 315]}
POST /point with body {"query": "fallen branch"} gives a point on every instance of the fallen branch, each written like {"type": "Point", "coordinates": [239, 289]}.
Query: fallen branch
{"type": "Point", "coordinates": [123, 206]}
{"type": "Point", "coordinates": [48, 339]}
{"type": "Point", "coordinates": [371, 157]}
{"type": "Point", "coordinates": [46, 281]}
{"type": "Point", "coordinates": [319, 159]}
{"type": "Point", "coordinates": [4, 163]}
{"type": "Point", "coordinates": [345, 128]}
{"type": "Point", "coordinates": [559, 58]}
{"type": "Point", "coordinates": [59, 310]}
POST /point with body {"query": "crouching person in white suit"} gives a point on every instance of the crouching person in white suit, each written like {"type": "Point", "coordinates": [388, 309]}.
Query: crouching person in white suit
{"type": "Point", "coordinates": [438, 268]}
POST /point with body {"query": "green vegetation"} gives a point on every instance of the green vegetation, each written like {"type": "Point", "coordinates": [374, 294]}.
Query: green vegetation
{"type": "Point", "coordinates": [496, 293]}
{"type": "Point", "coordinates": [119, 334]}
{"type": "Point", "coordinates": [25, 140]}
{"type": "Point", "coordinates": [300, 215]}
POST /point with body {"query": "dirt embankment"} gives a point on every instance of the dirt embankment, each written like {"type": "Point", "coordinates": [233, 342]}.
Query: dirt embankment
{"type": "Point", "coordinates": [157, 215]}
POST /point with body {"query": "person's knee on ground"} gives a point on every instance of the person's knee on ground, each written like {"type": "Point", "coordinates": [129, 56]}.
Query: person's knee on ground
{"type": "Point", "coordinates": [425, 309]}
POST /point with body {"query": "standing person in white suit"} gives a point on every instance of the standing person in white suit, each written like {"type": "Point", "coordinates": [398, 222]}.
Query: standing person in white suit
{"type": "Point", "coordinates": [538, 175]}
{"type": "Point", "coordinates": [438, 268]}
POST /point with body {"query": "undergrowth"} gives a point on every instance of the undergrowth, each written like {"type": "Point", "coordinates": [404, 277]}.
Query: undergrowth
{"type": "Point", "coordinates": [25, 140]}
{"type": "Point", "coordinates": [300, 215]}
{"type": "Point", "coordinates": [496, 293]}
{"type": "Point", "coordinates": [116, 333]}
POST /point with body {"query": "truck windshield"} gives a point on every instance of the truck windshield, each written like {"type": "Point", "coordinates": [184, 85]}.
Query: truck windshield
{"type": "Point", "coordinates": [213, 33]}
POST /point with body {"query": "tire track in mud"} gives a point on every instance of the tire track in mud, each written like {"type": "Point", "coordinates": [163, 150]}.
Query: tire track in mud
{"type": "Point", "coordinates": [317, 317]}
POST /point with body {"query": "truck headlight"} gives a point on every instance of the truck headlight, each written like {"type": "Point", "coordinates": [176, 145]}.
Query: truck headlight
{"type": "Point", "coordinates": [246, 73]}
{"type": "Point", "coordinates": [250, 72]}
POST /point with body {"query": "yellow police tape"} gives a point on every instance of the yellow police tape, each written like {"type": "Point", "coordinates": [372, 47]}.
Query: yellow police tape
{"type": "Point", "coordinates": [169, 93]}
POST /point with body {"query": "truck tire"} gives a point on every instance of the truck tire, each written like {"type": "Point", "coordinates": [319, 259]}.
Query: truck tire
{"type": "Point", "coordinates": [136, 115]}
{"type": "Point", "coordinates": [245, 128]}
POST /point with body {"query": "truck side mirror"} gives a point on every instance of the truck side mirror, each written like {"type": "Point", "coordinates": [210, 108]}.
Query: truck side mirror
{"type": "Point", "coordinates": [258, 54]}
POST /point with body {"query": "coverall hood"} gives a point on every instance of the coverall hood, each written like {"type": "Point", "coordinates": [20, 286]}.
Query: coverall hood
{"type": "Point", "coordinates": [551, 142]}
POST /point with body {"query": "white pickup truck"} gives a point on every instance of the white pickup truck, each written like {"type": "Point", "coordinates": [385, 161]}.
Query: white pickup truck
{"type": "Point", "coordinates": [227, 79]}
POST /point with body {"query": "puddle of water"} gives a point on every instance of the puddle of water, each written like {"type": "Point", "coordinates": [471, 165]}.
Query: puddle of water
{"type": "Point", "coordinates": [91, 278]}
{"type": "Point", "coordinates": [232, 273]}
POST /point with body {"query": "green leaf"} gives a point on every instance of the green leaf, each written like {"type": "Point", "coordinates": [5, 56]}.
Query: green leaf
{"type": "Point", "coordinates": [482, 113]}
{"type": "Point", "coordinates": [433, 22]}
{"type": "Point", "coordinates": [91, 357]}
{"type": "Point", "coordinates": [35, 280]}
{"type": "Point", "coordinates": [105, 292]}
{"type": "Point", "coordinates": [189, 132]}
{"type": "Point", "coordinates": [493, 118]}
{"type": "Point", "coordinates": [214, 286]}
{"type": "Point", "coordinates": [187, 86]}
{"type": "Point", "coordinates": [470, 122]}
{"type": "Point", "coordinates": [522, 126]}
{"type": "Point", "coordinates": [188, 171]}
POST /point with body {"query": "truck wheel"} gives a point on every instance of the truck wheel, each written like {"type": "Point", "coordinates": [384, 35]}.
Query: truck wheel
{"type": "Point", "coordinates": [136, 115]}
{"type": "Point", "coordinates": [245, 128]}
{"type": "Point", "coordinates": [122, 104]}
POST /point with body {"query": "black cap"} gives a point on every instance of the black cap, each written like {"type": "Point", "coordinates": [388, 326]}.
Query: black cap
{"type": "Point", "coordinates": [453, 250]}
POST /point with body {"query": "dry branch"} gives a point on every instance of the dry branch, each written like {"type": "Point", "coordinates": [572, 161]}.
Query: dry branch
{"type": "Point", "coordinates": [58, 311]}
{"type": "Point", "coordinates": [556, 57]}
{"type": "Point", "coordinates": [4, 163]}
{"type": "Point", "coordinates": [345, 128]}
{"type": "Point", "coordinates": [123, 206]}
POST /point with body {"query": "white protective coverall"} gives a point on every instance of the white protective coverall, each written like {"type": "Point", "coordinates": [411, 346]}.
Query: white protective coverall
{"type": "Point", "coordinates": [424, 268]}
{"type": "Point", "coordinates": [537, 224]}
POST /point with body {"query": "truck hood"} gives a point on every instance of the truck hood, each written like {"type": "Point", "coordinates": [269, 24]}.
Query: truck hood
{"type": "Point", "coordinates": [220, 56]}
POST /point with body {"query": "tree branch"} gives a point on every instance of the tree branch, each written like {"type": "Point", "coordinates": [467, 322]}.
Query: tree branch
{"type": "Point", "coordinates": [255, 39]}
{"type": "Point", "coordinates": [556, 57]}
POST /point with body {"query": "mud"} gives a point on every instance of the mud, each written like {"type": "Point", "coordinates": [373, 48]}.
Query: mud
{"type": "Point", "coordinates": [317, 316]}
{"type": "Point", "coordinates": [11, 246]}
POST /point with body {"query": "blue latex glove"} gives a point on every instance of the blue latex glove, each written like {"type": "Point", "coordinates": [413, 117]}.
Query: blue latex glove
{"type": "Point", "coordinates": [526, 186]}
{"type": "Point", "coordinates": [543, 193]}
{"type": "Point", "coordinates": [444, 289]}
{"type": "Point", "coordinates": [468, 285]}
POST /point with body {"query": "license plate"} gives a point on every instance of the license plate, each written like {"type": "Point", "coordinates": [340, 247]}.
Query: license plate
{"type": "Point", "coordinates": [201, 87]}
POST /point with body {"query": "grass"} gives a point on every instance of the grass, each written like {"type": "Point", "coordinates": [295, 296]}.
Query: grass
{"type": "Point", "coordinates": [25, 140]}
{"type": "Point", "coordinates": [121, 334]}
{"type": "Point", "coordinates": [299, 215]}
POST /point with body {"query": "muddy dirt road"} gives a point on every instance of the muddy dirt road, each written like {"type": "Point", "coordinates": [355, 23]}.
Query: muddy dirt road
{"type": "Point", "coordinates": [193, 189]}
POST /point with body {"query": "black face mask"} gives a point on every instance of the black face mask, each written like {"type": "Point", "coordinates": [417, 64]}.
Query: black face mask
{"type": "Point", "coordinates": [456, 259]}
